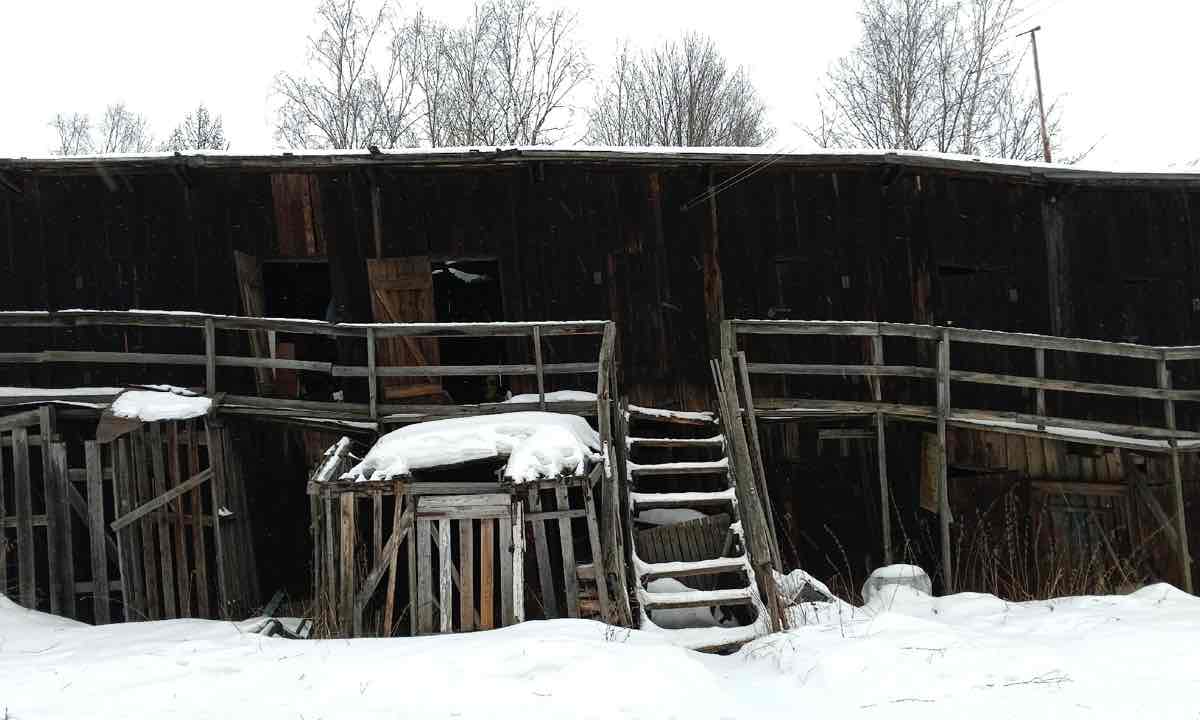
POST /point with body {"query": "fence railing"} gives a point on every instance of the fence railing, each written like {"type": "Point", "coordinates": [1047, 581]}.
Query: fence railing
{"type": "Point", "coordinates": [208, 327]}
{"type": "Point", "coordinates": [1168, 438]}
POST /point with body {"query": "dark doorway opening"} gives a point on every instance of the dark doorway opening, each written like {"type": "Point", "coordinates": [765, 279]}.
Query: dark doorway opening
{"type": "Point", "coordinates": [300, 289]}
{"type": "Point", "coordinates": [469, 291]}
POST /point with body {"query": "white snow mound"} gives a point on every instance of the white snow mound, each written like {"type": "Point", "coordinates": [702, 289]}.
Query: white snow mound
{"type": "Point", "coordinates": [162, 403]}
{"type": "Point", "coordinates": [537, 445]}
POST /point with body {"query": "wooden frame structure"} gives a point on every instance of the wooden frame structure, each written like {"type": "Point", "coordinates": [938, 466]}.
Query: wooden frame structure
{"type": "Point", "coordinates": [471, 533]}
{"type": "Point", "coordinates": [1168, 439]}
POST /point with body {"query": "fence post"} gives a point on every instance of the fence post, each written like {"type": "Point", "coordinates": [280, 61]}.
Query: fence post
{"type": "Point", "coordinates": [1185, 558]}
{"type": "Point", "coordinates": [210, 357]}
{"type": "Point", "coordinates": [371, 380]}
{"type": "Point", "coordinates": [885, 496]}
{"type": "Point", "coordinates": [1039, 358]}
{"type": "Point", "coordinates": [943, 412]}
{"type": "Point", "coordinates": [537, 358]}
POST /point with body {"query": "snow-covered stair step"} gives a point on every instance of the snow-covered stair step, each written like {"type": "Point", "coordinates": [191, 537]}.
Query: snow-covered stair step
{"type": "Point", "coordinates": [684, 417]}
{"type": "Point", "coordinates": [715, 441]}
{"type": "Point", "coordinates": [649, 500]}
{"type": "Point", "coordinates": [711, 467]}
{"type": "Point", "coordinates": [715, 566]}
{"type": "Point", "coordinates": [695, 598]}
{"type": "Point", "coordinates": [712, 639]}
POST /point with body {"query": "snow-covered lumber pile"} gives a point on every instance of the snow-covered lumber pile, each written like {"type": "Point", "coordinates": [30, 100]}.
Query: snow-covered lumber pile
{"type": "Point", "coordinates": [537, 445]}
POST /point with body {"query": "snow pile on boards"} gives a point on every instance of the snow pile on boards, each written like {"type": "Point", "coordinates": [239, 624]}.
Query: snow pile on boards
{"type": "Point", "coordinates": [555, 396]}
{"type": "Point", "coordinates": [160, 402]}
{"type": "Point", "coordinates": [537, 445]}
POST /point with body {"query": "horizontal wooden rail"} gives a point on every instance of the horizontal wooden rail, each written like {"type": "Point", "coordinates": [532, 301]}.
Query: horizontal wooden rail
{"type": "Point", "coordinates": [465, 370]}
{"type": "Point", "coordinates": [153, 318]}
{"type": "Point", "coordinates": [1075, 386]}
{"type": "Point", "coordinates": [840, 370]}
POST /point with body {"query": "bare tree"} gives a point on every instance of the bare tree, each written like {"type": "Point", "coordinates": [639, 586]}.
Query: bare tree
{"type": "Point", "coordinates": [74, 132]}
{"type": "Point", "coordinates": [681, 93]}
{"type": "Point", "coordinates": [933, 75]}
{"type": "Point", "coordinates": [200, 130]}
{"type": "Point", "coordinates": [120, 131]}
{"type": "Point", "coordinates": [123, 131]}
{"type": "Point", "coordinates": [357, 91]}
{"type": "Point", "coordinates": [536, 66]}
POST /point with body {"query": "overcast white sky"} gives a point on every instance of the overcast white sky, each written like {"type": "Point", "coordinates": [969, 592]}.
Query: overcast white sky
{"type": "Point", "coordinates": [1121, 68]}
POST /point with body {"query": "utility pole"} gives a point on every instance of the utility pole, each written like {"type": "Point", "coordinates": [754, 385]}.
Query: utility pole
{"type": "Point", "coordinates": [1037, 71]}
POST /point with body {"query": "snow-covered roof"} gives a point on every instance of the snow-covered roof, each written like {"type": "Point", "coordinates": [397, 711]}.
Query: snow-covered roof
{"type": "Point", "coordinates": [316, 159]}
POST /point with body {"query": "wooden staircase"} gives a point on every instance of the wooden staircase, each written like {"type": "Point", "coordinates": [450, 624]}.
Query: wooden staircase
{"type": "Point", "coordinates": [677, 461]}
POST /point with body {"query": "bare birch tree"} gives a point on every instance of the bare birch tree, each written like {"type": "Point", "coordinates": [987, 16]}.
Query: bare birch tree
{"type": "Point", "coordinates": [200, 130]}
{"type": "Point", "coordinates": [74, 131]}
{"type": "Point", "coordinates": [933, 75]}
{"type": "Point", "coordinates": [120, 130]}
{"type": "Point", "coordinates": [358, 90]}
{"type": "Point", "coordinates": [680, 93]}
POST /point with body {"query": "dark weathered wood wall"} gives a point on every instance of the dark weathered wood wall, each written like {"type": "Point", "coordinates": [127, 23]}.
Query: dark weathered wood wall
{"type": "Point", "coordinates": [612, 240]}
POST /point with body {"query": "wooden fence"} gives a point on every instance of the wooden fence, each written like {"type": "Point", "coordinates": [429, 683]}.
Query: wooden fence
{"type": "Point", "coordinates": [1167, 438]}
{"type": "Point", "coordinates": [210, 331]}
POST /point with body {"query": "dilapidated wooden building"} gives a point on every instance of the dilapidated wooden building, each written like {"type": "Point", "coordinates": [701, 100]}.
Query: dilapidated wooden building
{"type": "Point", "coordinates": [668, 245]}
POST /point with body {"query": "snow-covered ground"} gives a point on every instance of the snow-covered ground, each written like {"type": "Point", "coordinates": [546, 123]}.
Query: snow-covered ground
{"type": "Point", "coordinates": [904, 655]}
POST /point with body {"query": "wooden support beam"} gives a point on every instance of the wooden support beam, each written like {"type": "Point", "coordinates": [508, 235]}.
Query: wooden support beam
{"type": "Point", "coordinates": [445, 587]}
{"type": "Point", "coordinates": [347, 536]}
{"type": "Point", "coordinates": [372, 375]}
{"type": "Point", "coordinates": [750, 422]}
{"type": "Point", "coordinates": [66, 557]}
{"type": "Point", "coordinates": [541, 375]}
{"type": "Point", "coordinates": [23, 494]}
{"type": "Point", "coordinates": [1185, 558]}
{"type": "Point", "coordinates": [567, 547]}
{"type": "Point", "coordinates": [466, 561]}
{"type": "Point", "coordinates": [602, 588]}
{"type": "Point", "coordinates": [487, 574]}
{"type": "Point", "coordinates": [101, 611]}
{"type": "Point", "coordinates": [150, 505]}
{"type": "Point", "coordinates": [943, 414]}
{"type": "Point", "coordinates": [542, 551]}
{"type": "Point", "coordinates": [210, 355]}
{"type": "Point", "coordinates": [158, 484]}
{"type": "Point", "coordinates": [518, 563]}
{"type": "Point", "coordinates": [885, 495]}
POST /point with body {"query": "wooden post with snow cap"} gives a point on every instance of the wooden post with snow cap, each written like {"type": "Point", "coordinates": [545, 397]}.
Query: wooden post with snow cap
{"type": "Point", "coordinates": [1185, 558]}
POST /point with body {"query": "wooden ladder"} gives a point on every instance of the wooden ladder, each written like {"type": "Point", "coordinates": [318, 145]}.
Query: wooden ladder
{"type": "Point", "coordinates": [718, 574]}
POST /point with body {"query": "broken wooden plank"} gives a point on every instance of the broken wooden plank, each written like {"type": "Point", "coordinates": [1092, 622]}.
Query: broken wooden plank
{"type": "Point", "coordinates": [151, 505]}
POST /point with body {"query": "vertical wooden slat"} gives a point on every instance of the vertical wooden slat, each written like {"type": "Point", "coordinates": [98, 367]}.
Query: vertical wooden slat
{"type": "Point", "coordinates": [567, 542]}
{"type": "Point", "coordinates": [394, 561]}
{"type": "Point", "coordinates": [329, 518]}
{"type": "Point", "coordinates": [23, 497]}
{"type": "Point", "coordinates": [61, 476]}
{"type": "Point", "coordinates": [487, 540]}
{"type": "Point", "coordinates": [53, 506]}
{"type": "Point", "coordinates": [445, 587]}
{"type": "Point", "coordinates": [943, 412]}
{"type": "Point", "coordinates": [413, 599]}
{"type": "Point", "coordinates": [347, 539]}
{"type": "Point", "coordinates": [226, 588]}
{"type": "Point", "coordinates": [542, 550]}
{"type": "Point", "coordinates": [182, 571]}
{"type": "Point", "coordinates": [1185, 558]}
{"type": "Point", "coordinates": [376, 528]}
{"type": "Point", "coordinates": [424, 608]}
{"type": "Point", "coordinates": [99, 552]}
{"type": "Point", "coordinates": [518, 562]}
{"type": "Point", "coordinates": [466, 572]}
{"type": "Point", "coordinates": [506, 572]}
{"type": "Point", "coordinates": [127, 538]}
{"type": "Point", "coordinates": [141, 483]}
{"type": "Point", "coordinates": [199, 541]}
{"type": "Point", "coordinates": [315, 537]}
{"type": "Point", "coordinates": [589, 504]}
{"type": "Point", "coordinates": [166, 561]}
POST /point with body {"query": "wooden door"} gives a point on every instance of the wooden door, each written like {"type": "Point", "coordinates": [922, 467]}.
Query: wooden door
{"type": "Point", "coordinates": [250, 286]}
{"type": "Point", "coordinates": [402, 291]}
